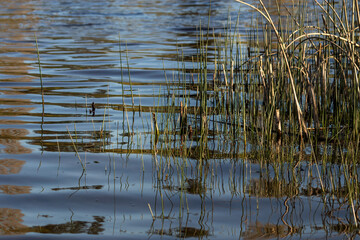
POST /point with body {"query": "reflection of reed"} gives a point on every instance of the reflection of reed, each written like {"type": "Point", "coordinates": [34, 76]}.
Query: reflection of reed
{"type": "Point", "coordinates": [14, 64]}
{"type": "Point", "coordinates": [271, 188]}
{"type": "Point", "coordinates": [15, 111]}
{"type": "Point", "coordinates": [94, 227]}
{"type": "Point", "coordinates": [189, 232]}
{"type": "Point", "coordinates": [187, 229]}
{"type": "Point", "coordinates": [10, 166]}
{"type": "Point", "coordinates": [15, 102]}
{"type": "Point", "coordinates": [194, 186]}
{"type": "Point", "coordinates": [11, 122]}
{"type": "Point", "coordinates": [79, 188]}
{"type": "Point", "coordinates": [12, 189]}
{"type": "Point", "coordinates": [10, 224]}
{"type": "Point", "coordinates": [183, 232]}
{"type": "Point", "coordinates": [259, 230]}
{"type": "Point", "coordinates": [10, 137]}
{"type": "Point", "coordinates": [10, 221]}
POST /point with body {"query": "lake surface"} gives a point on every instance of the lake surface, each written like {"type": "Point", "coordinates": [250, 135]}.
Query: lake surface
{"type": "Point", "coordinates": [46, 140]}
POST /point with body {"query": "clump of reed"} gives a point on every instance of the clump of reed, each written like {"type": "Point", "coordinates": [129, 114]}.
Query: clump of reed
{"type": "Point", "coordinates": [286, 98]}
{"type": "Point", "coordinates": [311, 79]}
{"type": "Point", "coordinates": [289, 95]}
{"type": "Point", "coordinates": [310, 90]}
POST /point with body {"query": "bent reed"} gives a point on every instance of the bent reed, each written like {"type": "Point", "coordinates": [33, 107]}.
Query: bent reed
{"type": "Point", "coordinates": [287, 98]}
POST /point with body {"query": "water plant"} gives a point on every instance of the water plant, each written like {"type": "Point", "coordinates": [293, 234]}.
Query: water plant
{"type": "Point", "coordinates": [287, 100]}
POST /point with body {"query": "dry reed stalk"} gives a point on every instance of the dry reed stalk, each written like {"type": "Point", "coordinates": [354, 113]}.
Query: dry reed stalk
{"type": "Point", "coordinates": [311, 93]}
{"type": "Point", "coordinates": [225, 77]}
{"type": "Point", "coordinates": [151, 212]}
{"type": "Point", "coordinates": [266, 15]}
{"type": "Point", "coordinates": [278, 122]}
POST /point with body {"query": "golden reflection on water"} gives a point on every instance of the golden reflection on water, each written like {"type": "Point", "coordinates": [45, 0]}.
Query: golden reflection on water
{"type": "Point", "coordinates": [15, 66]}
{"type": "Point", "coordinates": [282, 7]}
{"type": "Point", "coordinates": [11, 122]}
{"type": "Point", "coordinates": [13, 190]}
{"type": "Point", "coordinates": [11, 221]}
{"type": "Point", "coordinates": [271, 188]}
{"type": "Point", "coordinates": [16, 49]}
{"type": "Point", "coordinates": [10, 166]}
{"type": "Point", "coordinates": [9, 137]}
{"type": "Point", "coordinates": [15, 102]}
{"type": "Point", "coordinates": [15, 111]}
{"type": "Point", "coordinates": [259, 230]}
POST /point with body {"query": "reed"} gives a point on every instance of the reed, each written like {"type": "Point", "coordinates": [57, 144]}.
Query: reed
{"type": "Point", "coordinates": [288, 100]}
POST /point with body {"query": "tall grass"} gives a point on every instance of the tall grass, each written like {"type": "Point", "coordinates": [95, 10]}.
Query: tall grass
{"type": "Point", "coordinates": [289, 100]}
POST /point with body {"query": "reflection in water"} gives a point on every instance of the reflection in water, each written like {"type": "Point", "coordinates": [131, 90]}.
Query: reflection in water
{"type": "Point", "coordinates": [94, 227]}
{"type": "Point", "coordinates": [78, 188]}
{"type": "Point", "coordinates": [15, 111]}
{"type": "Point", "coordinates": [186, 232]}
{"type": "Point", "coordinates": [271, 188]}
{"type": "Point", "coordinates": [10, 166]}
{"type": "Point", "coordinates": [15, 49]}
{"type": "Point", "coordinates": [15, 66]}
{"type": "Point", "coordinates": [79, 52]}
{"type": "Point", "coordinates": [11, 221]}
{"type": "Point", "coordinates": [11, 224]}
{"type": "Point", "coordinates": [183, 232]}
{"type": "Point", "coordinates": [259, 230]}
{"type": "Point", "coordinates": [15, 102]}
{"type": "Point", "coordinates": [349, 230]}
{"type": "Point", "coordinates": [12, 190]}
{"type": "Point", "coordinates": [194, 186]}
{"type": "Point", "coordinates": [10, 137]}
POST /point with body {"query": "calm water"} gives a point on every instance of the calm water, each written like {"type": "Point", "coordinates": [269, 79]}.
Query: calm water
{"type": "Point", "coordinates": [45, 194]}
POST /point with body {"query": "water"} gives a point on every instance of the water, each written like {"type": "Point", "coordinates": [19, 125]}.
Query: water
{"type": "Point", "coordinates": [45, 193]}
